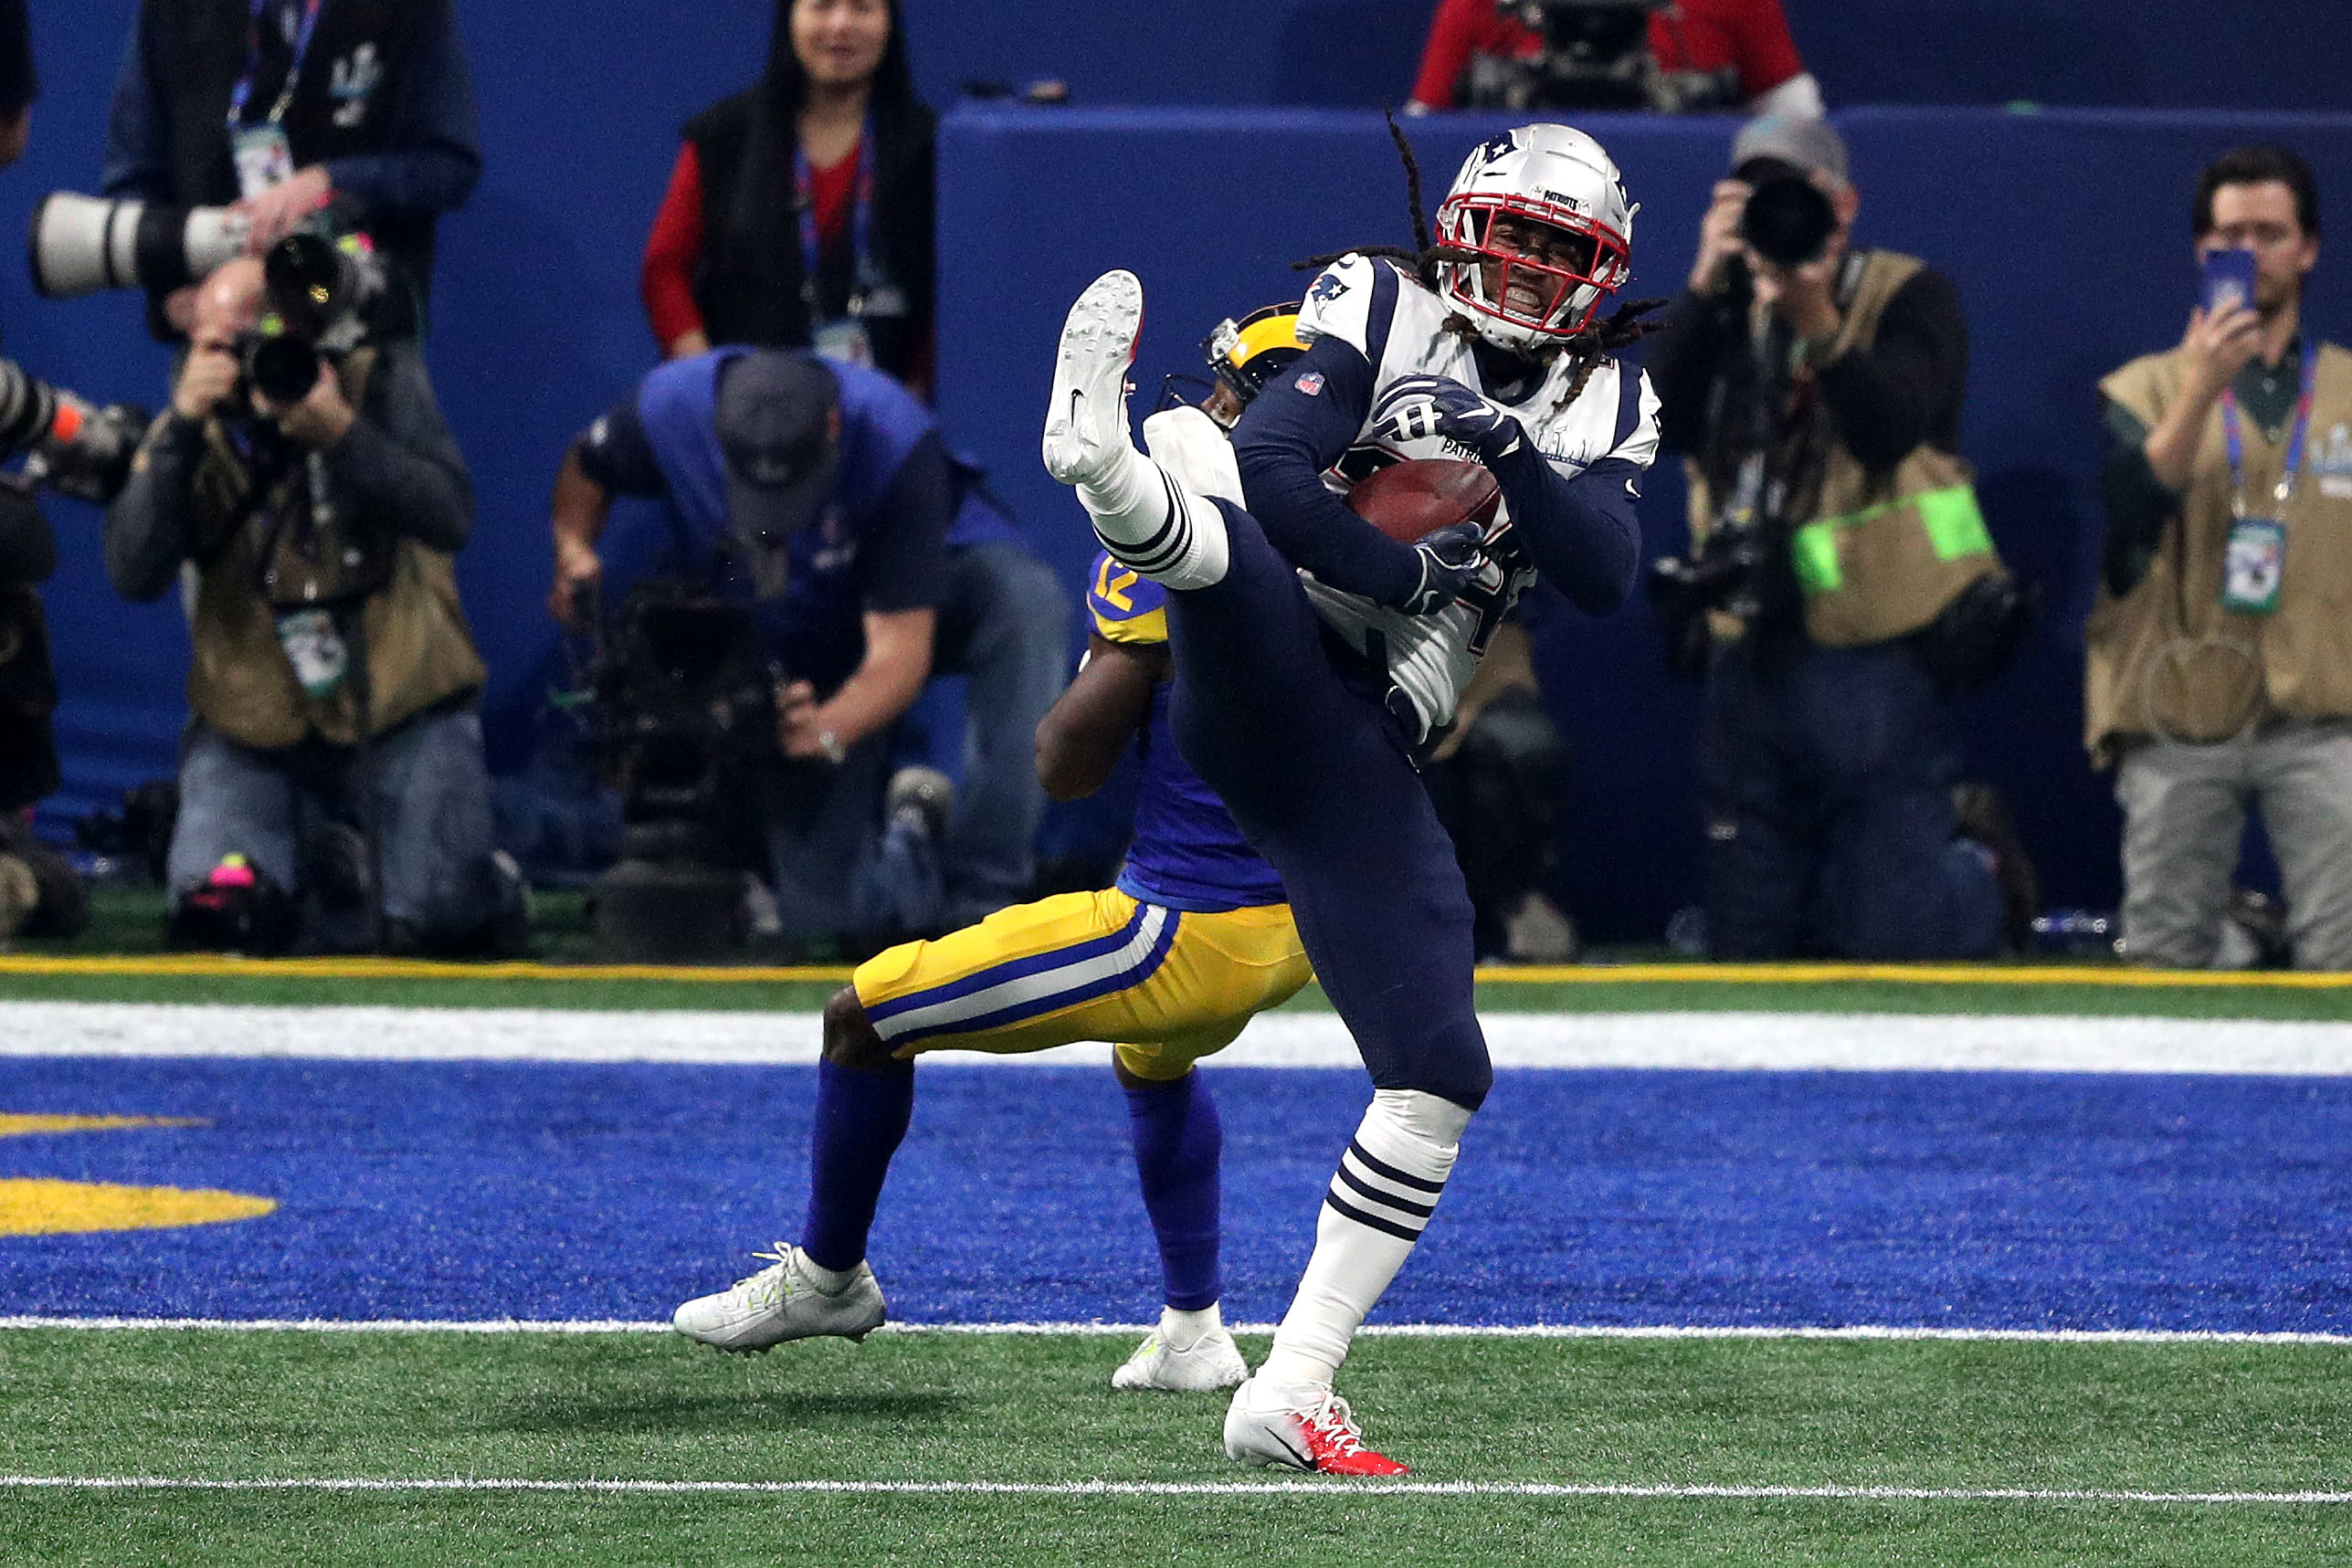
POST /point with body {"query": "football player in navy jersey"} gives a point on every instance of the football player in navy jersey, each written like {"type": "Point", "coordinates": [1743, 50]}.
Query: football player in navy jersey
{"type": "Point", "coordinates": [1171, 962]}
{"type": "Point", "coordinates": [1485, 349]}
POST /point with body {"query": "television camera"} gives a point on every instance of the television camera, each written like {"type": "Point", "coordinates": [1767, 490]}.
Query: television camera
{"type": "Point", "coordinates": [680, 707]}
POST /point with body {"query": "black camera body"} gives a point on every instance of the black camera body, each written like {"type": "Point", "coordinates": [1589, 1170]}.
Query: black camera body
{"type": "Point", "coordinates": [682, 716]}
{"type": "Point", "coordinates": [1725, 572]}
{"type": "Point", "coordinates": [1787, 221]}
{"type": "Point", "coordinates": [325, 298]}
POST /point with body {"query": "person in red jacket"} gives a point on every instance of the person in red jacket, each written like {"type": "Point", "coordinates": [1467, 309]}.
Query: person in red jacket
{"type": "Point", "coordinates": [1746, 38]}
{"type": "Point", "coordinates": [799, 212]}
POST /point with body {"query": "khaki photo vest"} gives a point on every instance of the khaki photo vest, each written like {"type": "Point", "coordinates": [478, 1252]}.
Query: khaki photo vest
{"type": "Point", "coordinates": [1879, 552]}
{"type": "Point", "coordinates": [2166, 660]}
{"type": "Point", "coordinates": [419, 648]}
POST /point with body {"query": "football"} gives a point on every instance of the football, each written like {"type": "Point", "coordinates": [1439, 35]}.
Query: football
{"type": "Point", "coordinates": [1419, 495]}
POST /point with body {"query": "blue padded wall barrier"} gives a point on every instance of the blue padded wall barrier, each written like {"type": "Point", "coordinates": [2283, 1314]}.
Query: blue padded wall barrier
{"type": "Point", "coordinates": [2064, 230]}
{"type": "Point", "coordinates": [2066, 234]}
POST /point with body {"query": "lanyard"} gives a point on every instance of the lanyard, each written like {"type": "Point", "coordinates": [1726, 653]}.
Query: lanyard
{"type": "Point", "coordinates": [2230, 430]}
{"type": "Point", "coordinates": [861, 224]}
{"type": "Point", "coordinates": [243, 91]}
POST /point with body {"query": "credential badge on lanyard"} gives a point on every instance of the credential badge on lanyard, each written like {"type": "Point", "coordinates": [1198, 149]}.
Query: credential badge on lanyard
{"type": "Point", "coordinates": [264, 157]}
{"type": "Point", "coordinates": [844, 337]}
{"type": "Point", "coordinates": [2253, 564]}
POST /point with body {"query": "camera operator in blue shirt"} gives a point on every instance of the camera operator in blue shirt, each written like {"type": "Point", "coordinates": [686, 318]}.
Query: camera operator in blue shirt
{"type": "Point", "coordinates": [823, 495]}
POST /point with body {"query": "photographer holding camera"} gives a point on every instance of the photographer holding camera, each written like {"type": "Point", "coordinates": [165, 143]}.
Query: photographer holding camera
{"type": "Point", "coordinates": [76, 450]}
{"type": "Point", "coordinates": [822, 496]}
{"type": "Point", "coordinates": [280, 107]}
{"type": "Point", "coordinates": [1842, 581]}
{"type": "Point", "coordinates": [332, 791]}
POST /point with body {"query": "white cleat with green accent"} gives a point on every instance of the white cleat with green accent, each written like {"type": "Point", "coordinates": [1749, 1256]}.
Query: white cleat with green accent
{"type": "Point", "coordinates": [1208, 1365]}
{"type": "Point", "coordinates": [783, 1301]}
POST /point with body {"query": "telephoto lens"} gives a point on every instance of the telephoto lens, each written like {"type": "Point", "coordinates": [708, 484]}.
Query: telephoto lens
{"type": "Point", "coordinates": [80, 244]}
{"type": "Point", "coordinates": [1787, 221]}
{"type": "Point", "coordinates": [282, 368]}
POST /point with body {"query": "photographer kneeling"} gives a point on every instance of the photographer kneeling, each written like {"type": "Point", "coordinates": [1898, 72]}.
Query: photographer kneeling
{"type": "Point", "coordinates": [821, 499]}
{"type": "Point", "coordinates": [1841, 583]}
{"type": "Point", "coordinates": [336, 748]}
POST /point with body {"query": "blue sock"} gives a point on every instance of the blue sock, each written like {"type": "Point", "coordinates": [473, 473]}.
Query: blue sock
{"type": "Point", "coordinates": [860, 1118]}
{"type": "Point", "coordinates": [1178, 1142]}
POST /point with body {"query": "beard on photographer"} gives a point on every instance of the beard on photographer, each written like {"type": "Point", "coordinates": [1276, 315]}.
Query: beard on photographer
{"type": "Point", "coordinates": [325, 624]}
{"type": "Point", "coordinates": [1815, 388]}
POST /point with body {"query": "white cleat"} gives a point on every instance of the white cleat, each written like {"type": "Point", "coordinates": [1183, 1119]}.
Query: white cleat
{"type": "Point", "coordinates": [1086, 418]}
{"type": "Point", "coordinates": [783, 1302]}
{"type": "Point", "coordinates": [1210, 1363]}
{"type": "Point", "coordinates": [1299, 1426]}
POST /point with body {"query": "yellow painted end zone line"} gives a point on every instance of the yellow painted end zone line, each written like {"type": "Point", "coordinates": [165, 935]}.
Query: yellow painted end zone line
{"type": "Point", "coordinates": [207, 965]}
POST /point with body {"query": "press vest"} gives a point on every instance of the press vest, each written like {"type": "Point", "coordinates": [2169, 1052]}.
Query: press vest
{"type": "Point", "coordinates": [2166, 659]}
{"type": "Point", "coordinates": [418, 648]}
{"type": "Point", "coordinates": [1878, 552]}
{"type": "Point", "coordinates": [354, 76]}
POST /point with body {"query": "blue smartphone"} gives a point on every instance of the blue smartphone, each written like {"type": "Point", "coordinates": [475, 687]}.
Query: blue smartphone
{"type": "Point", "coordinates": [2229, 280]}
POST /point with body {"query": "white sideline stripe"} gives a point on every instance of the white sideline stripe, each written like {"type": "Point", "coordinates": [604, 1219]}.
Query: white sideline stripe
{"type": "Point", "coordinates": [1746, 1042]}
{"type": "Point", "coordinates": [1177, 1489]}
{"type": "Point", "coordinates": [1035, 987]}
{"type": "Point", "coordinates": [1125, 1330]}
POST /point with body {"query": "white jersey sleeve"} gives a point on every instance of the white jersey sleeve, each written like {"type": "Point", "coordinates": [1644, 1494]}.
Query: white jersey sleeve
{"type": "Point", "coordinates": [1346, 301]}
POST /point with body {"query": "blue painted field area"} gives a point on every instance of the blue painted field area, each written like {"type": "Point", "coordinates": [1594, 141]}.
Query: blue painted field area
{"type": "Point", "coordinates": [564, 1192]}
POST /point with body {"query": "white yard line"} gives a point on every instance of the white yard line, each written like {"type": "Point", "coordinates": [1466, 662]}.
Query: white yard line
{"type": "Point", "coordinates": [1710, 1041]}
{"type": "Point", "coordinates": [1178, 1488]}
{"type": "Point", "coordinates": [1125, 1330]}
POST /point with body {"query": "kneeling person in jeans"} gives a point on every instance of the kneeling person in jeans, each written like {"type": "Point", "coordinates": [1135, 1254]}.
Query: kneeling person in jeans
{"type": "Point", "coordinates": [334, 682]}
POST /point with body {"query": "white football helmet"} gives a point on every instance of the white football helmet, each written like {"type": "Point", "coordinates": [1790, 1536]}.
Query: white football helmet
{"type": "Point", "coordinates": [1547, 174]}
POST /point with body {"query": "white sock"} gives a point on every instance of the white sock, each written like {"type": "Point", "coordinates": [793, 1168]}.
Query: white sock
{"type": "Point", "coordinates": [1181, 1330]}
{"type": "Point", "coordinates": [829, 1281]}
{"type": "Point", "coordinates": [1153, 525]}
{"type": "Point", "coordinates": [1388, 1183]}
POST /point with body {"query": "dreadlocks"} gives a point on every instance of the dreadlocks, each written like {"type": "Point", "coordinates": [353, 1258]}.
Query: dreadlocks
{"type": "Point", "coordinates": [1592, 345]}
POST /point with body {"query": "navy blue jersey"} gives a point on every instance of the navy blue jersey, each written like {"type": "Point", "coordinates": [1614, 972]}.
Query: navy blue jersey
{"type": "Point", "coordinates": [1186, 853]}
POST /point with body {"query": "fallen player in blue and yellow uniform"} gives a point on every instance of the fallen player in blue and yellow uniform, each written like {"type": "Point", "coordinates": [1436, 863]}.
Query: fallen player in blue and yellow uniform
{"type": "Point", "coordinates": [1170, 963]}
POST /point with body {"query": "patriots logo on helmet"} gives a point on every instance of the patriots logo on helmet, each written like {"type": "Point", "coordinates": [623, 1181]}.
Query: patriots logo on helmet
{"type": "Point", "coordinates": [1548, 176]}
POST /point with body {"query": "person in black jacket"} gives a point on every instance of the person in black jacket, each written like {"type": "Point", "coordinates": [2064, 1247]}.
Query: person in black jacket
{"type": "Point", "coordinates": [39, 893]}
{"type": "Point", "coordinates": [1833, 824]}
{"type": "Point", "coordinates": [799, 212]}
{"type": "Point", "coordinates": [281, 107]}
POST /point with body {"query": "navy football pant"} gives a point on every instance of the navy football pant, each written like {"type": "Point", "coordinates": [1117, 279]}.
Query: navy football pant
{"type": "Point", "coordinates": [1317, 775]}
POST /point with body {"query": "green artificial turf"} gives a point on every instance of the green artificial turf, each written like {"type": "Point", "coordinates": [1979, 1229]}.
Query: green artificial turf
{"type": "Point", "coordinates": [260, 985]}
{"type": "Point", "coordinates": [2170, 1417]}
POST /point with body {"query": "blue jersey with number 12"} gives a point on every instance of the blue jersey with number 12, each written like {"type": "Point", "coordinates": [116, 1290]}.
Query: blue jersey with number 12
{"type": "Point", "coordinates": [1186, 853]}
